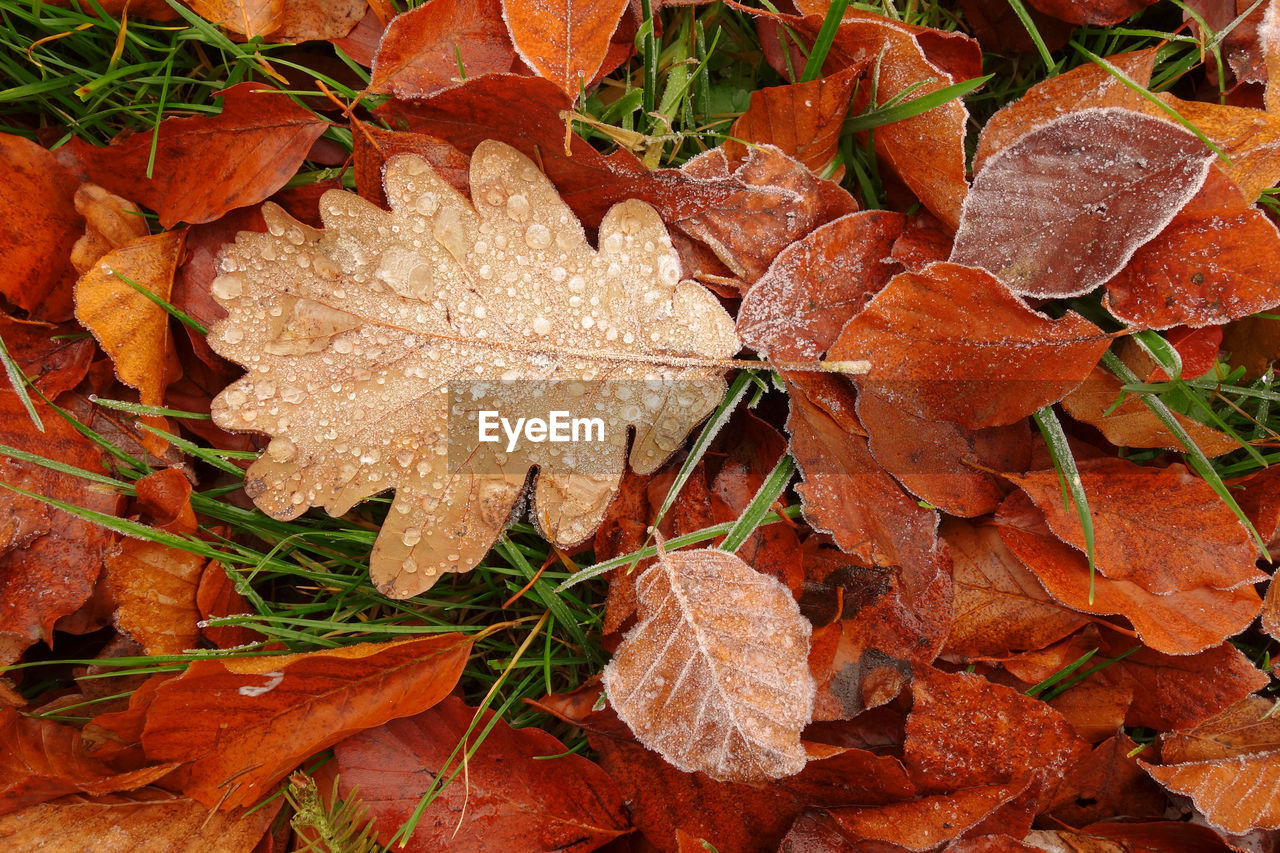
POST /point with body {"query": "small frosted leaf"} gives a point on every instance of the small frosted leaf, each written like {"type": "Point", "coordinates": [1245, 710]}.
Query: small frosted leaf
{"type": "Point", "coordinates": [374, 344]}
{"type": "Point", "coordinates": [1062, 209]}
{"type": "Point", "coordinates": [715, 674]}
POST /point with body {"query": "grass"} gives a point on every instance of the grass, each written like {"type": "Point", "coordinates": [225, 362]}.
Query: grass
{"type": "Point", "coordinates": [78, 73]}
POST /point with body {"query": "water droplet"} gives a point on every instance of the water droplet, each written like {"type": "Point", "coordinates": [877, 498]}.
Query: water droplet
{"type": "Point", "coordinates": [411, 537]}
{"type": "Point", "coordinates": [541, 325]}
{"type": "Point", "coordinates": [281, 449]}
{"type": "Point", "coordinates": [494, 195]}
{"type": "Point", "coordinates": [232, 334]}
{"type": "Point", "coordinates": [227, 286]}
{"type": "Point", "coordinates": [343, 345]}
{"type": "Point", "coordinates": [537, 236]}
{"type": "Point", "coordinates": [518, 207]}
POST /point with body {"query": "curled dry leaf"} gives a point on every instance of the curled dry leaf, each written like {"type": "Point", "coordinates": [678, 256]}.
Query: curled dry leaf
{"type": "Point", "coordinates": [1180, 622]}
{"type": "Point", "coordinates": [1194, 540]}
{"type": "Point", "coordinates": [375, 343]}
{"type": "Point", "coordinates": [520, 791]}
{"type": "Point", "coordinates": [1063, 208]}
{"type": "Point", "coordinates": [242, 724]}
{"type": "Point", "coordinates": [110, 223]}
{"type": "Point", "coordinates": [950, 343]}
{"type": "Point", "coordinates": [714, 676]}
{"type": "Point", "coordinates": [565, 41]}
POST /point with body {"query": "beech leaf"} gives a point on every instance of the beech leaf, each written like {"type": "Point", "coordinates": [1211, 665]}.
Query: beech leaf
{"type": "Point", "coordinates": [714, 676]}
{"type": "Point", "coordinates": [565, 41]}
{"type": "Point", "coordinates": [375, 343]}
{"type": "Point", "coordinates": [1062, 209]}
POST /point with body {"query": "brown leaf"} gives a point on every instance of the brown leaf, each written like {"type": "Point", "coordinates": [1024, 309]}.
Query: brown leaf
{"type": "Point", "coordinates": [41, 760]}
{"type": "Point", "coordinates": [565, 41]}
{"type": "Point", "coordinates": [310, 20]}
{"type": "Point", "coordinates": [52, 357]}
{"type": "Point", "coordinates": [1247, 727]}
{"type": "Point", "coordinates": [942, 462]}
{"type": "Point", "coordinates": [1107, 783]}
{"type": "Point", "coordinates": [1194, 540]}
{"type": "Point", "coordinates": [1182, 621]}
{"type": "Point", "coordinates": [241, 724]}
{"type": "Point", "coordinates": [804, 120]}
{"type": "Point", "coordinates": [208, 165]}
{"type": "Point", "coordinates": [950, 343]}
{"type": "Point", "coordinates": [998, 605]}
{"type": "Point", "coordinates": [147, 821]}
{"type": "Point", "coordinates": [738, 702]}
{"type": "Point", "coordinates": [1064, 207]}
{"type": "Point", "coordinates": [1212, 264]}
{"type": "Point", "coordinates": [433, 322]}
{"type": "Point", "coordinates": [1132, 423]}
{"type": "Point", "coordinates": [795, 311]}
{"type": "Point", "coordinates": [38, 225]}
{"type": "Point", "coordinates": [1097, 12]}
{"type": "Point", "coordinates": [216, 596]}
{"type": "Point", "coordinates": [132, 329]}
{"type": "Point", "coordinates": [1156, 837]}
{"type": "Point", "coordinates": [423, 48]}
{"type": "Point", "coordinates": [730, 815]}
{"type": "Point", "coordinates": [520, 791]}
{"type": "Point", "coordinates": [965, 731]}
{"type": "Point", "coordinates": [49, 559]}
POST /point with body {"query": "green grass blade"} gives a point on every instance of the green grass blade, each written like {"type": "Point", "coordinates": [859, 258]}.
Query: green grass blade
{"type": "Point", "coordinates": [1069, 479]}
{"type": "Point", "coordinates": [761, 504]}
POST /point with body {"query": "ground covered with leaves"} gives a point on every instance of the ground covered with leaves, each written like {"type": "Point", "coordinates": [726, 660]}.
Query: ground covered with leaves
{"type": "Point", "coordinates": [931, 350]}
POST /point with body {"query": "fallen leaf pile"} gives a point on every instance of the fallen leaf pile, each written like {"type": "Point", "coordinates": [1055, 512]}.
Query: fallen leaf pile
{"type": "Point", "coordinates": [1016, 595]}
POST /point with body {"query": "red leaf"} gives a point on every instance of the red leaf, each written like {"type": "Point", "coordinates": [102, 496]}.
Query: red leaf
{"type": "Point", "coordinates": [424, 49]}
{"type": "Point", "coordinates": [1098, 12]}
{"type": "Point", "coordinates": [1063, 208]}
{"type": "Point", "coordinates": [511, 795]}
{"type": "Point", "coordinates": [208, 165]}
{"type": "Point", "coordinates": [950, 343]}
{"type": "Point", "coordinates": [247, 722]}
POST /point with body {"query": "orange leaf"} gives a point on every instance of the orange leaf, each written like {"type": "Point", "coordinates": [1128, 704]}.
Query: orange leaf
{"type": "Point", "coordinates": [565, 41]}
{"type": "Point", "coordinates": [1206, 268]}
{"type": "Point", "coordinates": [243, 723]}
{"type": "Point", "coordinates": [248, 18]}
{"type": "Point", "coordinates": [804, 120]}
{"type": "Point", "coordinates": [1107, 783]}
{"type": "Point", "coordinates": [1181, 622]}
{"type": "Point", "coordinates": [41, 760]}
{"type": "Point", "coordinates": [1193, 540]}
{"type": "Point", "coordinates": [1247, 727]}
{"type": "Point", "coordinates": [1063, 208]}
{"type": "Point", "coordinates": [38, 225]}
{"type": "Point", "coordinates": [951, 343]}
{"type": "Point", "coordinates": [1132, 423]}
{"type": "Point", "coordinates": [1235, 794]}
{"type": "Point", "coordinates": [146, 821]}
{"type": "Point", "coordinates": [110, 222]}
{"type": "Point", "coordinates": [318, 20]}
{"type": "Point", "coordinates": [998, 605]}
{"type": "Point", "coordinates": [133, 330]}
{"type": "Point", "coordinates": [520, 791]}
{"type": "Point", "coordinates": [428, 48]}
{"type": "Point", "coordinates": [208, 165]}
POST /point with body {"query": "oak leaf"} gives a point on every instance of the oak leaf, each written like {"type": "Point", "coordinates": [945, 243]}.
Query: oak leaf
{"type": "Point", "coordinates": [241, 724]}
{"type": "Point", "coordinates": [521, 791]}
{"type": "Point", "coordinates": [374, 344]}
{"type": "Point", "coordinates": [1064, 207]}
{"type": "Point", "coordinates": [714, 676]}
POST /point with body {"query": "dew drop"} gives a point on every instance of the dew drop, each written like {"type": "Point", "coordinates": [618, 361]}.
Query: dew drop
{"type": "Point", "coordinates": [281, 449]}
{"type": "Point", "coordinates": [518, 207]}
{"type": "Point", "coordinates": [411, 537]}
{"type": "Point", "coordinates": [232, 334]}
{"type": "Point", "coordinates": [541, 325]}
{"type": "Point", "coordinates": [577, 284]}
{"type": "Point", "coordinates": [227, 286]}
{"type": "Point", "coordinates": [537, 236]}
